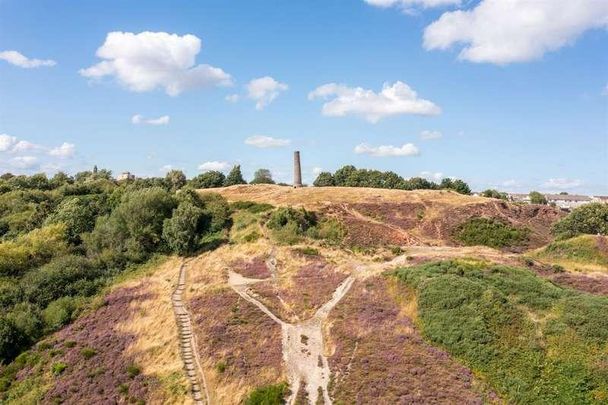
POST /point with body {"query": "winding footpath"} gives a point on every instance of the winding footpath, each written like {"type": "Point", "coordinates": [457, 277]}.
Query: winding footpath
{"type": "Point", "coordinates": [187, 342]}
{"type": "Point", "coordinates": [303, 345]}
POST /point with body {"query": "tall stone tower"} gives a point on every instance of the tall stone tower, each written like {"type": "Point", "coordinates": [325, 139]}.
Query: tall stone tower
{"type": "Point", "coordinates": [297, 170]}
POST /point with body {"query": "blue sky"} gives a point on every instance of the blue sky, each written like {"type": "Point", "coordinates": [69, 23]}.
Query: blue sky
{"type": "Point", "coordinates": [515, 99]}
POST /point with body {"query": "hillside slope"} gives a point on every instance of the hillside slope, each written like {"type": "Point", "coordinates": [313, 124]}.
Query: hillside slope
{"type": "Point", "coordinates": [379, 217]}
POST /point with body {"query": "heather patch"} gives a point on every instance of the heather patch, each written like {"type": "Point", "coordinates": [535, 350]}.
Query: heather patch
{"type": "Point", "coordinates": [233, 332]}
{"type": "Point", "coordinates": [380, 357]}
{"type": "Point", "coordinates": [255, 268]}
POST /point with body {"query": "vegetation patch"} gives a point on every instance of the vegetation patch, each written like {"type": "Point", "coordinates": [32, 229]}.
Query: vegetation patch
{"type": "Point", "coordinates": [581, 250]}
{"type": "Point", "coordinates": [268, 395]}
{"type": "Point", "coordinates": [530, 339]}
{"type": "Point", "coordinates": [589, 219]}
{"type": "Point", "coordinates": [380, 357]}
{"type": "Point", "coordinates": [490, 232]}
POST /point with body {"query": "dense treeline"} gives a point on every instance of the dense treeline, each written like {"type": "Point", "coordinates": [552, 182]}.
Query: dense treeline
{"type": "Point", "coordinates": [350, 176]}
{"type": "Point", "coordinates": [63, 238]}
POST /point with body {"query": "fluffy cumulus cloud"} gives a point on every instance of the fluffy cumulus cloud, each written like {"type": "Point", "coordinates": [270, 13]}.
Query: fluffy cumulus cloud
{"type": "Point", "coordinates": [7, 142]}
{"type": "Point", "coordinates": [18, 59]}
{"type": "Point", "coordinates": [317, 170]}
{"type": "Point", "coordinates": [264, 90]}
{"type": "Point", "coordinates": [508, 31]}
{"type": "Point", "coordinates": [150, 60]}
{"type": "Point", "coordinates": [64, 151]}
{"type": "Point", "coordinates": [426, 135]}
{"type": "Point", "coordinates": [138, 119]}
{"type": "Point", "coordinates": [263, 141]}
{"type": "Point", "coordinates": [21, 155]}
{"type": "Point", "coordinates": [561, 183]}
{"type": "Point", "coordinates": [214, 165]}
{"type": "Point", "coordinates": [394, 99]}
{"type": "Point", "coordinates": [407, 149]}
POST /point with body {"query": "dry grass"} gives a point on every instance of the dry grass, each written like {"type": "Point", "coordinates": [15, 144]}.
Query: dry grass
{"type": "Point", "coordinates": [316, 197]}
{"type": "Point", "coordinates": [155, 349]}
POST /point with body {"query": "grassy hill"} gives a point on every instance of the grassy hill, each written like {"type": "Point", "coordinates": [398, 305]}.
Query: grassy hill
{"type": "Point", "coordinates": [581, 253]}
{"type": "Point", "coordinates": [390, 289]}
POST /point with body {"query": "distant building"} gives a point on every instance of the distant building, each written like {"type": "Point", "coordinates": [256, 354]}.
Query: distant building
{"type": "Point", "coordinates": [600, 198]}
{"type": "Point", "coordinates": [568, 201]}
{"type": "Point", "coordinates": [520, 198]}
{"type": "Point", "coordinates": [125, 176]}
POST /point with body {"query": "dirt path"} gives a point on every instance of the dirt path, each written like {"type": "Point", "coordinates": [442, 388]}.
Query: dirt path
{"type": "Point", "coordinates": [188, 346]}
{"type": "Point", "coordinates": [303, 345]}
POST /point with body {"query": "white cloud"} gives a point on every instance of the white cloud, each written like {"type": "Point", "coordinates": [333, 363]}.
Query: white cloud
{"type": "Point", "coordinates": [605, 91]}
{"type": "Point", "coordinates": [233, 98]}
{"type": "Point", "coordinates": [408, 4]}
{"type": "Point", "coordinates": [66, 150]}
{"type": "Point", "coordinates": [507, 31]}
{"type": "Point", "coordinates": [264, 90]}
{"type": "Point", "coordinates": [23, 146]}
{"type": "Point", "coordinates": [407, 149]}
{"type": "Point", "coordinates": [426, 135]}
{"type": "Point", "coordinates": [317, 170]}
{"type": "Point", "coordinates": [24, 162]}
{"type": "Point", "coordinates": [18, 59]}
{"type": "Point", "coordinates": [139, 119]}
{"type": "Point", "coordinates": [166, 168]}
{"type": "Point", "coordinates": [561, 183]}
{"type": "Point", "coordinates": [7, 142]}
{"type": "Point", "coordinates": [433, 176]}
{"type": "Point", "coordinates": [262, 141]}
{"type": "Point", "coordinates": [150, 60]}
{"type": "Point", "coordinates": [214, 165]}
{"type": "Point", "coordinates": [510, 183]}
{"type": "Point", "coordinates": [394, 99]}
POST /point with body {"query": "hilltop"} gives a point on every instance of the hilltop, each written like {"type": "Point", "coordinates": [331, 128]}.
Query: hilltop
{"type": "Point", "coordinates": [342, 295]}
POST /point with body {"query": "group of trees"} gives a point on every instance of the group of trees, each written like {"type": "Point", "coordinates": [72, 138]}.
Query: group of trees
{"type": "Point", "coordinates": [350, 176]}
{"type": "Point", "coordinates": [214, 178]}
{"type": "Point", "coordinates": [64, 238]}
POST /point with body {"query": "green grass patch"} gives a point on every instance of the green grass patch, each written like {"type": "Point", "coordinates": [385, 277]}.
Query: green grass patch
{"type": "Point", "coordinates": [584, 249]}
{"type": "Point", "coordinates": [490, 232]}
{"type": "Point", "coordinates": [268, 395]}
{"type": "Point", "coordinates": [251, 206]}
{"type": "Point", "coordinates": [133, 370]}
{"type": "Point", "coordinates": [58, 368]}
{"type": "Point", "coordinates": [307, 251]}
{"type": "Point", "coordinates": [532, 341]}
{"type": "Point", "coordinates": [88, 352]}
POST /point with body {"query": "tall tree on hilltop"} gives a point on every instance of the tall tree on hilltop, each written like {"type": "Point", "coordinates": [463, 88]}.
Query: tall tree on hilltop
{"type": "Point", "coordinates": [235, 177]}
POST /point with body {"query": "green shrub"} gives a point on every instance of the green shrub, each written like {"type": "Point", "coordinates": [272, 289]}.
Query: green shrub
{"type": "Point", "coordinates": [210, 179]}
{"type": "Point", "coordinates": [133, 370]}
{"type": "Point", "coordinates": [88, 352]}
{"type": "Point", "coordinates": [64, 276]}
{"type": "Point", "coordinates": [537, 198]}
{"type": "Point", "coordinates": [307, 251]}
{"type": "Point", "coordinates": [491, 318]}
{"type": "Point", "coordinates": [251, 206]}
{"type": "Point", "coordinates": [330, 230]}
{"type": "Point", "coordinates": [33, 249]}
{"type": "Point", "coordinates": [289, 225]}
{"type": "Point", "coordinates": [60, 312]}
{"type": "Point", "coordinates": [268, 395]}
{"type": "Point", "coordinates": [220, 367]}
{"type": "Point", "coordinates": [588, 219]}
{"type": "Point", "coordinates": [58, 368]}
{"type": "Point", "coordinates": [490, 232]}
{"type": "Point", "coordinates": [12, 340]}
